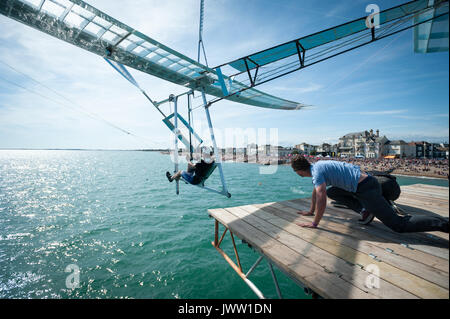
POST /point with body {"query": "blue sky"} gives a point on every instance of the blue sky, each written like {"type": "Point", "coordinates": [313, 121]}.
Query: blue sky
{"type": "Point", "coordinates": [383, 86]}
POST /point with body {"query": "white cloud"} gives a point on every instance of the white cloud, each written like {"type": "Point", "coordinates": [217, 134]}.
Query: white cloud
{"type": "Point", "coordinates": [310, 87]}
{"type": "Point", "coordinates": [386, 112]}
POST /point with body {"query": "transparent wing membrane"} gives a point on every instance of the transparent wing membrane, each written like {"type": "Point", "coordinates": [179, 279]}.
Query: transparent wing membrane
{"type": "Point", "coordinates": [432, 36]}
{"type": "Point", "coordinates": [429, 18]}
{"type": "Point", "coordinates": [80, 24]}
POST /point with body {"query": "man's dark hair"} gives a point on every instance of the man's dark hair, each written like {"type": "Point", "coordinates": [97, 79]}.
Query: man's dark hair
{"type": "Point", "coordinates": [300, 163]}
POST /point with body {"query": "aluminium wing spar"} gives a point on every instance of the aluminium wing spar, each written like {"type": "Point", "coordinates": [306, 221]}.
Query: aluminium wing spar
{"type": "Point", "coordinates": [80, 24]}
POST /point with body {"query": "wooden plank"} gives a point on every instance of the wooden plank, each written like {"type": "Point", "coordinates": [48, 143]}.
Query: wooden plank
{"type": "Point", "coordinates": [440, 190]}
{"type": "Point", "coordinates": [324, 259]}
{"type": "Point", "coordinates": [417, 257]}
{"type": "Point", "coordinates": [348, 272]}
{"type": "Point", "coordinates": [362, 232]}
{"type": "Point", "coordinates": [425, 209]}
{"type": "Point", "coordinates": [349, 214]}
{"type": "Point", "coordinates": [412, 208]}
{"type": "Point", "coordinates": [424, 200]}
{"type": "Point", "coordinates": [436, 238]}
{"type": "Point", "coordinates": [345, 236]}
{"type": "Point", "coordinates": [388, 238]}
{"type": "Point", "coordinates": [429, 208]}
{"type": "Point", "coordinates": [419, 237]}
{"type": "Point", "coordinates": [426, 193]}
{"type": "Point", "coordinates": [306, 239]}
{"type": "Point", "coordinates": [419, 185]}
{"type": "Point", "coordinates": [408, 209]}
{"type": "Point", "coordinates": [423, 194]}
{"type": "Point", "coordinates": [434, 245]}
{"type": "Point", "coordinates": [310, 274]}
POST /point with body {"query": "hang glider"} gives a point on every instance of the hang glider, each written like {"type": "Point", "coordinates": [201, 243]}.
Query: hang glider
{"type": "Point", "coordinates": [429, 18]}
{"type": "Point", "coordinates": [432, 36]}
{"type": "Point", "coordinates": [82, 25]}
{"type": "Point", "coordinates": [182, 129]}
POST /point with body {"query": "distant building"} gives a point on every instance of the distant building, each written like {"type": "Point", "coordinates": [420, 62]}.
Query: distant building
{"type": "Point", "coordinates": [440, 150]}
{"type": "Point", "coordinates": [419, 148]}
{"type": "Point", "coordinates": [272, 150]}
{"type": "Point", "coordinates": [362, 144]}
{"type": "Point", "coordinates": [264, 150]}
{"type": "Point", "coordinates": [444, 150]}
{"type": "Point", "coordinates": [305, 148]}
{"type": "Point", "coordinates": [430, 150]}
{"type": "Point", "coordinates": [400, 149]}
{"type": "Point", "coordinates": [326, 149]}
{"type": "Point", "coordinates": [368, 144]}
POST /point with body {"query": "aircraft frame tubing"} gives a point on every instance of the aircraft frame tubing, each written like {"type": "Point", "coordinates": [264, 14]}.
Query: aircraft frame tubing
{"type": "Point", "coordinates": [254, 84]}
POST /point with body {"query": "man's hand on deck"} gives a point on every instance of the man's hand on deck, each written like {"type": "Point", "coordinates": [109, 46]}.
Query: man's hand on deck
{"type": "Point", "coordinates": [307, 225]}
{"type": "Point", "coordinates": [305, 213]}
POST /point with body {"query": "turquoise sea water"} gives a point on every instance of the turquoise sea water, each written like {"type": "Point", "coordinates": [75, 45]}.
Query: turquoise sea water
{"type": "Point", "coordinates": [113, 215]}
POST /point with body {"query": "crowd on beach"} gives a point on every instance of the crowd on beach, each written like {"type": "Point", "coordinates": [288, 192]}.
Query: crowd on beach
{"type": "Point", "coordinates": [437, 168]}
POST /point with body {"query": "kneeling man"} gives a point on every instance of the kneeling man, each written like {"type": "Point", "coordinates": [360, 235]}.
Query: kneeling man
{"type": "Point", "coordinates": [362, 192]}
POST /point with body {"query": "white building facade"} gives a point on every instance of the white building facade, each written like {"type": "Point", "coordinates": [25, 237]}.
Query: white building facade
{"type": "Point", "coordinates": [362, 144]}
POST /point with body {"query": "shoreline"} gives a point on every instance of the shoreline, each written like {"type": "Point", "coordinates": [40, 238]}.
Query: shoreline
{"type": "Point", "coordinates": [396, 172]}
{"type": "Point", "coordinates": [266, 160]}
{"type": "Point", "coordinates": [420, 176]}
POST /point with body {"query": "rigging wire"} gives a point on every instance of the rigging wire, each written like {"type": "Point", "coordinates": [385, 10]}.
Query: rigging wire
{"type": "Point", "coordinates": [77, 107]}
{"type": "Point", "coordinates": [363, 62]}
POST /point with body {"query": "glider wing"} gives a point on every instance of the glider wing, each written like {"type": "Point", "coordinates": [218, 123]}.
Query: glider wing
{"type": "Point", "coordinates": [80, 24]}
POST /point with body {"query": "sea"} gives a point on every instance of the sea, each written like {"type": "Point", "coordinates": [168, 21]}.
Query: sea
{"type": "Point", "coordinates": [108, 224]}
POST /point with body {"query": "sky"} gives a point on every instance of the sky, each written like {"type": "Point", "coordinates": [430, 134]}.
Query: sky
{"type": "Point", "coordinates": [55, 95]}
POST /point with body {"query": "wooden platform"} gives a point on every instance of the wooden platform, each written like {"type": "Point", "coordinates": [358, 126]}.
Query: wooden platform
{"type": "Point", "coordinates": [342, 259]}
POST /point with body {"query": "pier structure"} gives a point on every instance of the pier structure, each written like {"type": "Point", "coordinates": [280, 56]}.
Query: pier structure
{"type": "Point", "coordinates": [341, 258]}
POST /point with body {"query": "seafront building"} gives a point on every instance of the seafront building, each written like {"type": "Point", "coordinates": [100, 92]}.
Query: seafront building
{"type": "Point", "coordinates": [399, 149]}
{"type": "Point", "coordinates": [305, 148]}
{"type": "Point", "coordinates": [367, 144]}
{"type": "Point", "coordinates": [424, 149]}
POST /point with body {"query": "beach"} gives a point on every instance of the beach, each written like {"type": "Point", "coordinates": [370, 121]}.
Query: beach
{"type": "Point", "coordinates": [429, 168]}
